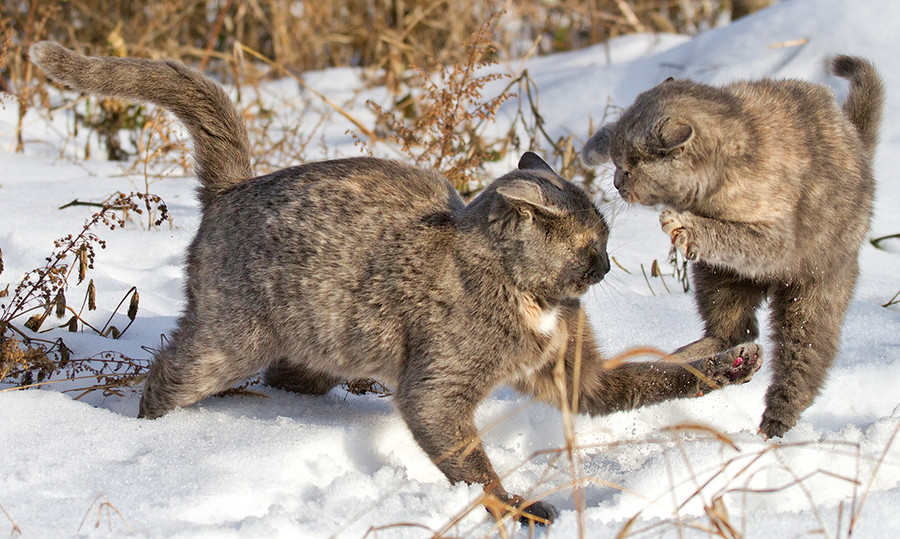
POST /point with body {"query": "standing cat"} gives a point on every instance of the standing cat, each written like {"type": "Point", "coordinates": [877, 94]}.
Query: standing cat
{"type": "Point", "coordinates": [768, 189]}
{"type": "Point", "coordinates": [359, 268]}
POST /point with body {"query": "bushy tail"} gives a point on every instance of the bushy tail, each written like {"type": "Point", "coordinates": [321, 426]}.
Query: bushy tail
{"type": "Point", "coordinates": [221, 147]}
{"type": "Point", "coordinates": [866, 98]}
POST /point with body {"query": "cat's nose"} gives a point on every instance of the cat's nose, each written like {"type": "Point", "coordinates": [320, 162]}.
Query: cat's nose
{"type": "Point", "coordinates": [619, 178]}
{"type": "Point", "coordinates": [599, 268]}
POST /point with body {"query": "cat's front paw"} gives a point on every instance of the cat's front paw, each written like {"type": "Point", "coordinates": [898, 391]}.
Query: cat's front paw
{"type": "Point", "coordinates": [734, 366]}
{"type": "Point", "coordinates": [536, 513]}
{"type": "Point", "coordinates": [678, 229]}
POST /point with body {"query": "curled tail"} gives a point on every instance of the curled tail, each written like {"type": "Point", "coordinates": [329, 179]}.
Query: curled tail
{"type": "Point", "coordinates": [221, 146]}
{"type": "Point", "coordinates": [866, 98]}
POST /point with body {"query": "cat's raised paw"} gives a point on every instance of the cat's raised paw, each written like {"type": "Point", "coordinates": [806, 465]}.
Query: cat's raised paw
{"type": "Point", "coordinates": [673, 224]}
{"type": "Point", "coordinates": [734, 366]}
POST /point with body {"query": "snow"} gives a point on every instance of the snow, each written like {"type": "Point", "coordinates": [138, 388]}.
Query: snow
{"type": "Point", "coordinates": [342, 465]}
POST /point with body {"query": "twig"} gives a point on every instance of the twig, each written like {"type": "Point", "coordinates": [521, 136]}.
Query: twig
{"type": "Point", "coordinates": [647, 280]}
{"type": "Point", "coordinates": [108, 506]}
{"type": "Point", "coordinates": [15, 529]}
{"type": "Point", "coordinates": [872, 480]}
{"type": "Point", "coordinates": [77, 202]}
{"type": "Point", "coordinates": [213, 33]}
{"type": "Point", "coordinates": [620, 265]}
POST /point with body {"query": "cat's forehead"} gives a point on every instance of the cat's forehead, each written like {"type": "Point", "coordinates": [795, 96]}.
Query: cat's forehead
{"type": "Point", "coordinates": [587, 224]}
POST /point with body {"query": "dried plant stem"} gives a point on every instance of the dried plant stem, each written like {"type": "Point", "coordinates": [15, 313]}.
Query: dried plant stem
{"type": "Point", "coordinates": [865, 495]}
{"type": "Point", "coordinates": [109, 507]}
{"type": "Point", "coordinates": [15, 527]}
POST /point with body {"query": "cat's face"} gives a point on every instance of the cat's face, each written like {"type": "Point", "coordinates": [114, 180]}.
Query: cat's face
{"type": "Point", "coordinates": [551, 236]}
{"type": "Point", "coordinates": [652, 175]}
{"type": "Point", "coordinates": [664, 147]}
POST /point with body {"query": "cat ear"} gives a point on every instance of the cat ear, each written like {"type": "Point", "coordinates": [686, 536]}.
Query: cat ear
{"type": "Point", "coordinates": [532, 161]}
{"type": "Point", "coordinates": [525, 196]}
{"type": "Point", "coordinates": [596, 151]}
{"type": "Point", "coordinates": [673, 134]}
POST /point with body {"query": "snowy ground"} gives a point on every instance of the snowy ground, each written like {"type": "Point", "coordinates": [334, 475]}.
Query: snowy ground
{"type": "Point", "coordinates": [338, 465]}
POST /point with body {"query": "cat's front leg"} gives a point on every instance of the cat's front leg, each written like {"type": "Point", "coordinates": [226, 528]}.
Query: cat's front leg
{"type": "Point", "coordinates": [437, 399]}
{"type": "Point", "coordinates": [751, 248]}
{"type": "Point", "coordinates": [678, 227]}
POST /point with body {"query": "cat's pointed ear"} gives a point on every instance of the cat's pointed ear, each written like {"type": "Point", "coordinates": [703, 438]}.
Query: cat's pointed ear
{"type": "Point", "coordinates": [596, 151]}
{"type": "Point", "coordinates": [672, 134]}
{"type": "Point", "coordinates": [525, 196]}
{"type": "Point", "coordinates": [532, 161]}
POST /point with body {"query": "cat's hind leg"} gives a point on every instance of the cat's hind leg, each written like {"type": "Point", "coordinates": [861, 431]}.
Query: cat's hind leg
{"type": "Point", "coordinates": [189, 369]}
{"type": "Point", "coordinates": [806, 325]}
{"type": "Point", "coordinates": [298, 378]}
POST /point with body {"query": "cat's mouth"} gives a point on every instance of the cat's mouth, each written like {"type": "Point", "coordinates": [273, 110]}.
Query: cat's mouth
{"type": "Point", "coordinates": [629, 196]}
{"type": "Point", "coordinates": [592, 276]}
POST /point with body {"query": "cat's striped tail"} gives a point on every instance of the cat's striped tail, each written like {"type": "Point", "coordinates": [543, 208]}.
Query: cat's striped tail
{"type": "Point", "coordinates": [221, 147]}
{"type": "Point", "coordinates": [865, 101]}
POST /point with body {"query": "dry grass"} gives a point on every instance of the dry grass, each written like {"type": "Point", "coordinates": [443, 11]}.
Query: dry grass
{"type": "Point", "coordinates": [391, 35]}
{"type": "Point", "coordinates": [440, 126]}
{"type": "Point", "coordinates": [722, 489]}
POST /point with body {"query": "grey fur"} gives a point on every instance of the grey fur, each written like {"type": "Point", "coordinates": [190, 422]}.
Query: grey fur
{"type": "Point", "coordinates": [368, 268]}
{"type": "Point", "coordinates": [768, 188]}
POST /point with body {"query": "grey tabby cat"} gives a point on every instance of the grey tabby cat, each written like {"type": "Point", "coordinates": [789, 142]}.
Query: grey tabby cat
{"type": "Point", "coordinates": [369, 268]}
{"type": "Point", "coordinates": [768, 189]}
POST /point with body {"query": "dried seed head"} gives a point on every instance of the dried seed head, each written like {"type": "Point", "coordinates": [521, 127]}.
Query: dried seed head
{"type": "Point", "coordinates": [82, 262]}
{"type": "Point", "coordinates": [654, 269]}
{"type": "Point", "coordinates": [133, 306]}
{"type": "Point", "coordinates": [64, 352]}
{"type": "Point", "coordinates": [34, 323]}
{"type": "Point", "coordinates": [92, 296]}
{"type": "Point", "coordinates": [60, 303]}
{"type": "Point", "coordinates": [72, 324]}
{"type": "Point", "coordinates": [1, 260]}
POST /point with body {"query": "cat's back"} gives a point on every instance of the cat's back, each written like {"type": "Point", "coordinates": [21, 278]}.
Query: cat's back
{"type": "Point", "coordinates": [806, 147]}
{"type": "Point", "coordinates": [344, 202]}
{"type": "Point", "coordinates": [321, 226]}
{"type": "Point", "coordinates": [796, 104]}
{"type": "Point", "coordinates": [341, 188]}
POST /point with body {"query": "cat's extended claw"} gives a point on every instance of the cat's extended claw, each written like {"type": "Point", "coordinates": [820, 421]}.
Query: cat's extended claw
{"type": "Point", "coordinates": [674, 226]}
